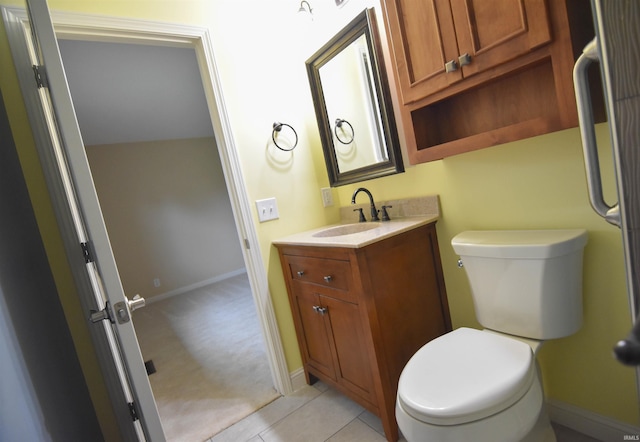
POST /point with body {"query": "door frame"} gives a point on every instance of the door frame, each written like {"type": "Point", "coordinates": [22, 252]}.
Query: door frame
{"type": "Point", "coordinates": [123, 30]}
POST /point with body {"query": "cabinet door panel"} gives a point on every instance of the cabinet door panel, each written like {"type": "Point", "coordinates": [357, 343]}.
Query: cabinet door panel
{"type": "Point", "coordinates": [353, 369]}
{"type": "Point", "coordinates": [316, 348]}
{"type": "Point", "coordinates": [423, 42]}
{"type": "Point", "coordinates": [495, 32]}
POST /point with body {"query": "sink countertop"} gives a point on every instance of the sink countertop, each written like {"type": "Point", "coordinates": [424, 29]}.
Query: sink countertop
{"type": "Point", "coordinates": [384, 229]}
{"type": "Point", "coordinates": [405, 214]}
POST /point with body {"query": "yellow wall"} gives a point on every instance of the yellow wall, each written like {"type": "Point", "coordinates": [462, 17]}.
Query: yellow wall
{"type": "Point", "coordinates": [260, 48]}
{"type": "Point", "coordinates": [538, 183]}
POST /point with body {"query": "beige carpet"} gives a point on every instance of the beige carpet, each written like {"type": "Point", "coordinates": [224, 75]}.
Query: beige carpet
{"type": "Point", "coordinates": [209, 354]}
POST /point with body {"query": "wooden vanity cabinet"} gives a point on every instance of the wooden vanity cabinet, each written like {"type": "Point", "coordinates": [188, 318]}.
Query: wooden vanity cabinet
{"type": "Point", "coordinates": [361, 313]}
{"type": "Point", "coordinates": [509, 77]}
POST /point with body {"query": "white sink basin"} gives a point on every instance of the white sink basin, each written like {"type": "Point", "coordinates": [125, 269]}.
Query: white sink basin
{"type": "Point", "coordinates": [347, 229]}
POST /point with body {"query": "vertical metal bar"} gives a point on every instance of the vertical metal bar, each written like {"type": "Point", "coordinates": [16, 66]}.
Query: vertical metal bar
{"type": "Point", "coordinates": [587, 132]}
{"type": "Point", "coordinates": [619, 36]}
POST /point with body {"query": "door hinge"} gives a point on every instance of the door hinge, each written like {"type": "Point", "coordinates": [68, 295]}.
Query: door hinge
{"type": "Point", "coordinates": [40, 75]}
{"type": "Point", "coordinates": [87, 252]}
{"type": "Point", "coordinates": [246, 244]}
{"type": "Point", "coordinates": [133, 410]}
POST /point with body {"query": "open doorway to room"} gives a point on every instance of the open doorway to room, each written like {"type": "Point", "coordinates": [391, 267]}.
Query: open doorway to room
{"type": "Point", "coordinates": [149, 141]}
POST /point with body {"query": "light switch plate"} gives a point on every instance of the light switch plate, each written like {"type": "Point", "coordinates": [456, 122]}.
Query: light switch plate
{"type": "Point", "coordinates": [267, 209]}
{"type": "Point", "coordinates": [327, 197]}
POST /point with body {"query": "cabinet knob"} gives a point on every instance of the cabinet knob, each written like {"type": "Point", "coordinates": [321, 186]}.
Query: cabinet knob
{"type": "Point", "coordinates": [300, 272]}
{"type": "Point", "coordinates": [451, 66]}
{"type": "Point", "coordinates": [464, 59]}
{"type": "Point", "coordinates": [328, 278]}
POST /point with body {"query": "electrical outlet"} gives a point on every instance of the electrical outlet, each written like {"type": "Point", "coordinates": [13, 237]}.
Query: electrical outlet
{"type": "Point", "coordinates": [327, 196]}
{"type": "Point", "coordinates": [156, 282]}
{"type": "Point", "coordinates": [267, 209]}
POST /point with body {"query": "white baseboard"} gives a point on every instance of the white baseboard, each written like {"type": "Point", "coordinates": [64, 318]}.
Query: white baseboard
{"type": "Point", "coordinates": [590, 423]}
{"type": "Point", "coordinates": [197, 285]}
{"type": "Point", "coordinates": [298, 380]}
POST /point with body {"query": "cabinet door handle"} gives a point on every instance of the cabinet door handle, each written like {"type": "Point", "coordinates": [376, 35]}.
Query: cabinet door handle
{"type": "Point", "coordinates": [451, 66]}
{"type": "Point", "coordinates": [464, 59]}
{"type": "Point", "coordinates": [300, 272]}
{"type": "Point", "coordinates": [328, 278]}
{"type": "Point", "coordinates": [318, 309]}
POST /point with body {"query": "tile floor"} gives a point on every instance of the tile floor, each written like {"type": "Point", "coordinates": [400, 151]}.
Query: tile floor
{"type": "Point", "coordinates": [318, 414]}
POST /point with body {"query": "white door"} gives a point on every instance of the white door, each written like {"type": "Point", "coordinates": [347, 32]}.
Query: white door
{"type": "Point", "coordinates": [115, 316]}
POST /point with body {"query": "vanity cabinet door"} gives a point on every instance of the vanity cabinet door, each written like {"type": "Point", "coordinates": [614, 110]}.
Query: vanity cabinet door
{"type": "Point", "coordinates": [333, 341]}
{"type": "Point", "coordinates": [345, 328]}
{"type": "Point", "coordinates": [315, 342]}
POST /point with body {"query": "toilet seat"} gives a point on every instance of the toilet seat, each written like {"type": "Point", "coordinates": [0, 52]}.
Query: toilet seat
{"type": "Point", "coordinates": [465, 375]}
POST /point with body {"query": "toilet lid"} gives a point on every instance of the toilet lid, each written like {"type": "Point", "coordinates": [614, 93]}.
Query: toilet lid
{"type": "Point", "coordinates": [465, 375]}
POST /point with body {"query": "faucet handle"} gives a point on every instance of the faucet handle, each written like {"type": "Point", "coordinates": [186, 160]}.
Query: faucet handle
{"type": "Point", "coordinates": [362, 218]}
{"type": "Point", "coordinates": [385, 215]}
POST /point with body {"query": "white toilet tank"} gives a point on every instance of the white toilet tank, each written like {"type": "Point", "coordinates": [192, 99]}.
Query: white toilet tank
{"type": "Point", "coordinates": [526, 283]}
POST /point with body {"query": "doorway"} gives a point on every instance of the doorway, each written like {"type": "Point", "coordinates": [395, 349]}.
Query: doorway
{"type": "Point", "coordinates": [88, 27]}
{"type": "Point", "coordinates": [154, 162]}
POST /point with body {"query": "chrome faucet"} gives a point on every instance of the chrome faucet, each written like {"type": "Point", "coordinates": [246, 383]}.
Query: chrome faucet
{"type": "Point", "coordinates": [374, 211]}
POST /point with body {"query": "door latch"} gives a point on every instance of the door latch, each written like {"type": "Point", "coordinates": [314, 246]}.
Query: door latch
{"type": "Point", "coordinates": [124, 307]}
{"type": "Point", "coordinates": [105, 313]}
{"type": "Point", "coordinates": [122, 310]}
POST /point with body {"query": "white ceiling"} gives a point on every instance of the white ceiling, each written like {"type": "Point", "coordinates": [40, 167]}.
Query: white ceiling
{"type": "Point", "coordinates": [130, 93]}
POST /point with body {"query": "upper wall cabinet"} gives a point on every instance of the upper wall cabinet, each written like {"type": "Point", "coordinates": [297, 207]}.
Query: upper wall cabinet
{"type": "Point", "coordinates": [476, 73]}
{"type": "Point", "coordinates": [444, 41]}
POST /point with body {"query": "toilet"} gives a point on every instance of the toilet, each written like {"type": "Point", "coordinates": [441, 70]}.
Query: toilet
{"type": "Point", "coordinates": [485, 385]}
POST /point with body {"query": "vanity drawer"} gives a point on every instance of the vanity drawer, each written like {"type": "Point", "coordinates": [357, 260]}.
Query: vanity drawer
{"type": "Point", "coordinates": [330, 273]}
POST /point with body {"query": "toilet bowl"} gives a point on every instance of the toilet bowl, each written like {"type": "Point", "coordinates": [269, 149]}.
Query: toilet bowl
{"type": "Point", "coordinates": [472, 385]}
{"type": "Point", "coordinates": [485, 385]}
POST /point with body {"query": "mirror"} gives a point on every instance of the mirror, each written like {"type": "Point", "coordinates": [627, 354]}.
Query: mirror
{"type": "Point", "coordinates": [353, 105]}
